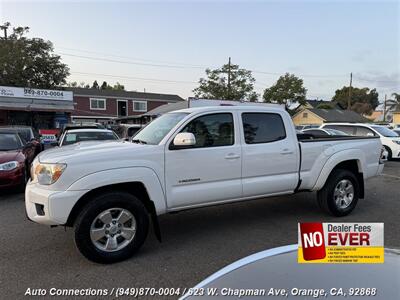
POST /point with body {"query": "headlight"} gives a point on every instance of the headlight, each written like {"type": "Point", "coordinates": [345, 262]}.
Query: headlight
{"type": "Point", "coordinates": [396, 141]}
{"type": "Point", "coordinates": [8, 166]}
{"type": "Point", "coordinates": [47, 174]}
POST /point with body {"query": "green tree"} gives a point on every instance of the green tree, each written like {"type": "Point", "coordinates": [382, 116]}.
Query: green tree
{"type": "Point", "coordinates": [95, 85]}
{"type": "Point", "coordinates": [118, 87]}
{"type": "Point", "coordinates": [104, 86]}
{"type": "Point", "coordinates": [29, 62]}
{"type": "Point", "coordinates": [215, 86]}
{"type": "Point", "coordinates": [287, 90]}
{"type": "Point", "coordinates": [363, 100]}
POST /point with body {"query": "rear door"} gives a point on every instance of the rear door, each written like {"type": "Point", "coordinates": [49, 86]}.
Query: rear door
{"type": "Point", "coordinates": [270, 155]}
{"type": "Point", "coordinates": [210, 171]}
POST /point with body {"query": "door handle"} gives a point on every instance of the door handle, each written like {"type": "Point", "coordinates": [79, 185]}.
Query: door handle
{"type": "Point", "coordinates": [286, 152]}
{"type": "Point", "coordinates": [232, 156]}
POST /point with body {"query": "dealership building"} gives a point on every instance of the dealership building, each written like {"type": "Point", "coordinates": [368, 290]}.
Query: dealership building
{"type": "Point", "coordinates": [49, 109]}
{"type": "Point", "coordinates": [39, 108]}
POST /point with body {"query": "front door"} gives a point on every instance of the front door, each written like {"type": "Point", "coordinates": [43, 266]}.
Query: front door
{"type": "Point", "coordinates": [210, 171]}
{"type": "Point", "coordinates": [122, 108]}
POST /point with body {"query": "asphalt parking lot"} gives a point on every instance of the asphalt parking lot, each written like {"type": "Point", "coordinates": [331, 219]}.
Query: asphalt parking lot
{"type": "Point", "coordinates": [195, 243]}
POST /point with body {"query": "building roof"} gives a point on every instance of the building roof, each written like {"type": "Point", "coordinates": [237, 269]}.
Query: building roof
{"type": "Point", "coordinates": [167, 108]}
{"type": "Point", "coordinates": [125, 94]}
{"type": "Point", "coordinates": [316, 103]}
{"type": "Point", "coordinates": [338, 115]}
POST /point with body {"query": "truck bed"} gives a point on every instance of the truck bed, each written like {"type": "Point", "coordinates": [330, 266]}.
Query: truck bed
{"type": "Point", "coordinates": [316, 152]}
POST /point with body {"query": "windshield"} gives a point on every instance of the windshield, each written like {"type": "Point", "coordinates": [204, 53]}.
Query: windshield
{"type": "Point", "coordinates": [154, 132]}
{"type": "Point", "coordinates": [385, 131]}
{"type": "Point", "coordinates": [75, 137]}
{"type": "Point", "coordinates": [25, 133]}
{"type": "Point", "coordinates": [9, 141]}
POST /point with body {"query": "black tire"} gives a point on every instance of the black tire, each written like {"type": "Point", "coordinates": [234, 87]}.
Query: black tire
{"type": "Point", "coordinates": [326, 198]}
{"type": "Point", "coordinates": [99, 204]}
{"type": "Point", "coordinates": [390, 155]}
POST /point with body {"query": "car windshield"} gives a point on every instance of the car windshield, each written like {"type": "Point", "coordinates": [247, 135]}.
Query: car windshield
{"type": "Point", "coordinates": [25, 133]}
{"type": "Point", "coordinates": [385, 131]}
{"type": "Point", "coordinates": [75, 137]}
{"type": "Point", "coordinates": [154, 132]}
{"type": "Point", "coordinates": [9, 141]}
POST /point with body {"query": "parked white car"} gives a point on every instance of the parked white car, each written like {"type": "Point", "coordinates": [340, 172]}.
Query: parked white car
{"type": "Point", "coordinates": [186, 159]}
{"type": "Point", "coordinates": [73, 136]}
{"type": "Point", "coordinates": [390, 139]}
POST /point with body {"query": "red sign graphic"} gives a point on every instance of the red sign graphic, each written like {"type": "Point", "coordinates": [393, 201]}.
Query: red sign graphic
{"type": "Point", "coordinates": [312, 239]}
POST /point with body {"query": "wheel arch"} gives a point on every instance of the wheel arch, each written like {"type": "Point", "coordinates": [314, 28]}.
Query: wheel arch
{"type": "Point", "coordinates": [353, 162]}
{"type": "Point", "coordinates": [135, 188]}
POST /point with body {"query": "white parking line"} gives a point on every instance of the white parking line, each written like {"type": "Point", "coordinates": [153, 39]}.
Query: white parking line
{"type": "Point", "coordinates": [393, 176]}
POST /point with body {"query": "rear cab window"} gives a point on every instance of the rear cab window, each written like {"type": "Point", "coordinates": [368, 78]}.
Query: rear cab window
{"type": "Point", "coordinates": [263, 127]}
{"type": "Point", "coordinates": [350, 130]}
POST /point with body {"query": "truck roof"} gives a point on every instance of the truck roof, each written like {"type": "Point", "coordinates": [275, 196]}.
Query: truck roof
{"type": "Point", "coordinates": [249, 107]}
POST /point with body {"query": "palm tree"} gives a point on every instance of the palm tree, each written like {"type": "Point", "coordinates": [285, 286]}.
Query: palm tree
{"type": "Point", "coordinates": [396, 105]}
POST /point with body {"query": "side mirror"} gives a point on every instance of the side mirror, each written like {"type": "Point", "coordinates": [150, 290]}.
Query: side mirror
{"type": "Point", "coordinates": [184, 139]}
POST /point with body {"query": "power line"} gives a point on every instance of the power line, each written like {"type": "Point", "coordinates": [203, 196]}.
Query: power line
{"type": "Point", "coordinates": [129, 62]}
{"type": "Point", "coordinates": [135, 78]}
{"type": "Point", "coordinates": [177, 65]}
{"type": "Point", "coordinates": [135, 58]}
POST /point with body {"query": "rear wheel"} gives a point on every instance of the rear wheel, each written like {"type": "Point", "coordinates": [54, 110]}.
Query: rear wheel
{"type": "Point", "coordinates": [340, 194]}
{"type": "Point", "coordinates": [111, 228]}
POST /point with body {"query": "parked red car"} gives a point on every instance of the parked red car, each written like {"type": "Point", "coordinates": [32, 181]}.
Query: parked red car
{"type": "Point", "coordinates": [27, 134]}
{"type": "Point", "coordinates": [16, 157]}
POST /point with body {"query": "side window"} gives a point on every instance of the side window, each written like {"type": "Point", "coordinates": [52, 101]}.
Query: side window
{"type": "Point", "coordinates": [346, 129]}
{"type": "Point", "coordinates": [363, 131]}
{"type": "Point", "coordinates": [212, 130]}
{"type": "Point", "coordinates": [263, 127]}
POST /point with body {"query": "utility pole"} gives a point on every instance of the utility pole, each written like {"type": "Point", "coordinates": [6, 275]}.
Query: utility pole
{"type": "Point", "coordinates": [349, 100]}
{"type": "Point", "coordinates": [229, 78]}
{"type": "Point", "coordinates": [384, 110]}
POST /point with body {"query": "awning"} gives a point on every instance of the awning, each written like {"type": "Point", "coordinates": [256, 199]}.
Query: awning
{"type": "Point", "coordinates": [29, 104]}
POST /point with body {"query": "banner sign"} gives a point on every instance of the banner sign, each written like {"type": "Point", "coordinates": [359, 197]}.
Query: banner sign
{"type": "Point", "coordinates": [18, 92]}
{"type": "Point", "coordinates": [340, 243]}
{"type": "Point", "coordinates": [48, 135]}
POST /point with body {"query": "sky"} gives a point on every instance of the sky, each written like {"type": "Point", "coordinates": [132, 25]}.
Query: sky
{"type": "Point", "coordinates": [165, 46]}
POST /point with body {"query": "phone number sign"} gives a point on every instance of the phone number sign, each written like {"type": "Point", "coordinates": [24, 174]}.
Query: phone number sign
{"type": "Point", "coordinates": [18, 92]}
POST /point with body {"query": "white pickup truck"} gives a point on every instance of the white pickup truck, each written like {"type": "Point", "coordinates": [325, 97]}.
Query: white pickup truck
{"type": "Point", "coordinates": [186, 159]}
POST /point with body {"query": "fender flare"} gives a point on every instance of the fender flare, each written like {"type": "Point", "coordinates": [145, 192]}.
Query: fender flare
{"type": "Point", "coordinates": [143, 175]}
{"type": "Point", "coordinates": [340, 157]}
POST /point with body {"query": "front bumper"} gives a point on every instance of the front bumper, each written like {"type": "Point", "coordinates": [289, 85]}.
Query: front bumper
{"type": "Point", "coordinates": [49, 207]}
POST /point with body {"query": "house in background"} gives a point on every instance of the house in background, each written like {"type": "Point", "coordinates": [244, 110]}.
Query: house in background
{"type": "Point", "coordinates": [376, 116]}
{"type": "Point", "coordinates": [318, 116]}
{"type": "Point", "coordinates": [396, 118]}
{"type": "Point", "coordinates": [317, 103]}
{"type": "Point", "coordinates": [104, 106]}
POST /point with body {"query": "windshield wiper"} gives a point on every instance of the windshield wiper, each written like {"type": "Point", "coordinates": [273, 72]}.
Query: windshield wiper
{"type": "Point", "coordinates": [137, 141]}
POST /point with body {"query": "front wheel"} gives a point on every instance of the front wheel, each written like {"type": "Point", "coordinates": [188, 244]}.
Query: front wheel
{"type": "Point", "coordinates": [111, 227]}
{"type": "Point", "coordinates": [340, 194]}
